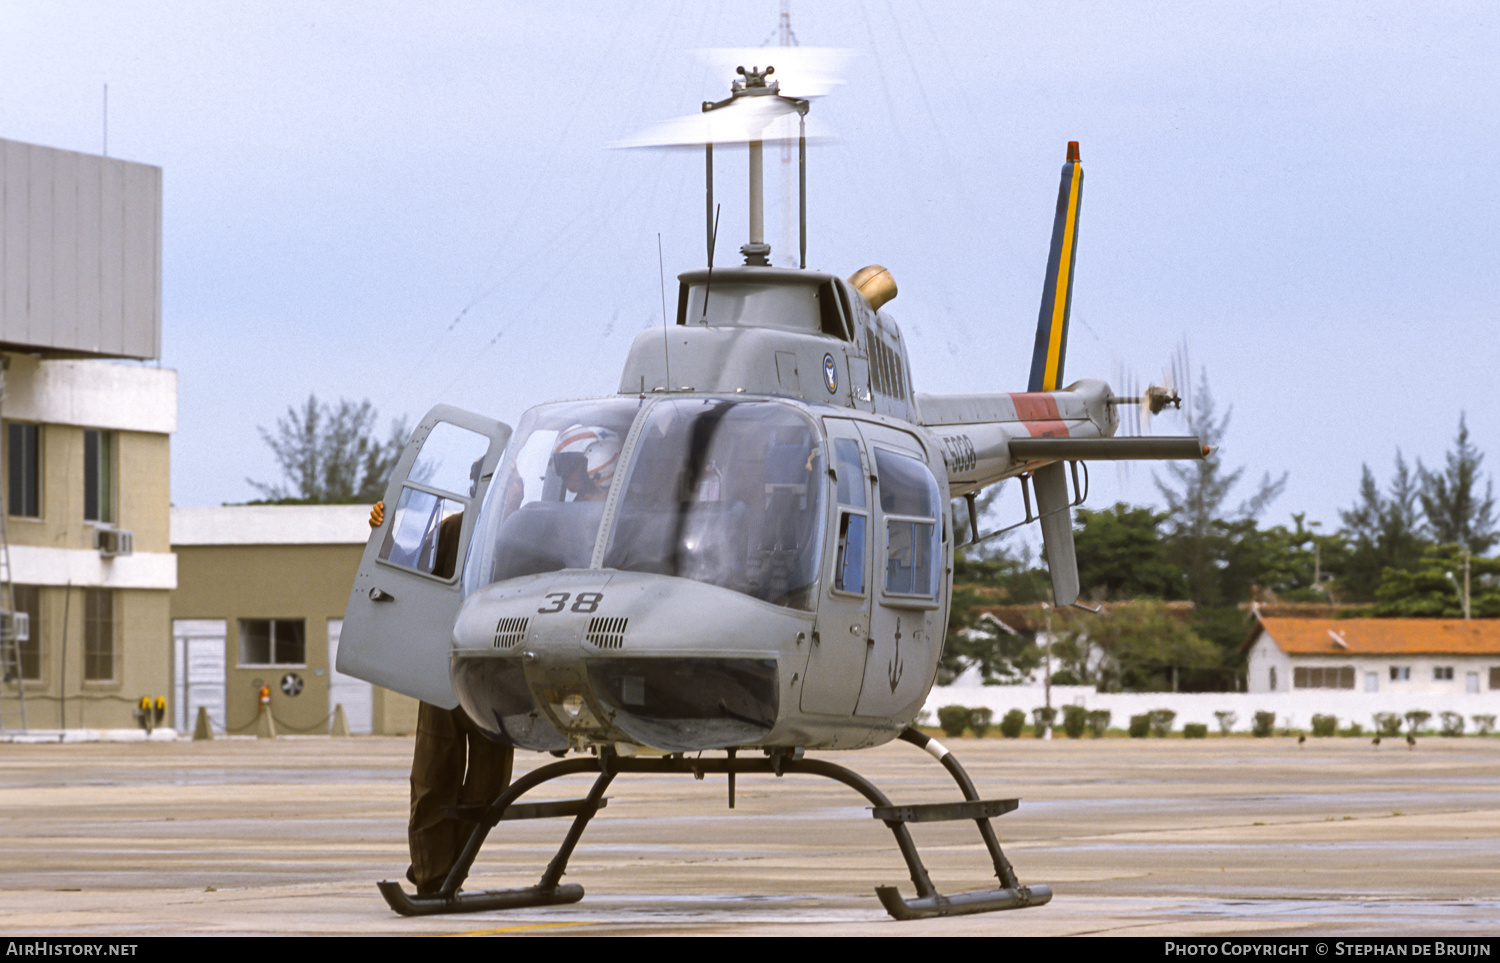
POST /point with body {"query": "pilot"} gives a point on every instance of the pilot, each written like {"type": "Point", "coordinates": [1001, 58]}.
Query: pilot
{"type": "Point", "coordinates": [585, 458]}
{"type": "Point", "coordinates": [453, 762]}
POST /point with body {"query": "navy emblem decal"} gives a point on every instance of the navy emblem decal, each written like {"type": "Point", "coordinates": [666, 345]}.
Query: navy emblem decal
{"type": "Point", "coordinates": [830, 374]}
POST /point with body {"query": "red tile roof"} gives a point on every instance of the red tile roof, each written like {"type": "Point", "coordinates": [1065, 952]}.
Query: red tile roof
{"type": "Point", "coordinates": [1384, 636]}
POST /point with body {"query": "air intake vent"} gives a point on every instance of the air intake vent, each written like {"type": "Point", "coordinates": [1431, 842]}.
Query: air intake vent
{"type": "Point", "coordinates": [509, 633]}
{"type": "Point", "coordinates": [607, 633]}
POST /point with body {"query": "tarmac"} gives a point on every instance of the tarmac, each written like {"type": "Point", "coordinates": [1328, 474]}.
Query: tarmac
{"type": "Point", "coordinates": [1137, 837]}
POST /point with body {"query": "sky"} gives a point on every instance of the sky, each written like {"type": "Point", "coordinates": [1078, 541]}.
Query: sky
{"type": "Point", "coordinates": [417, 203]}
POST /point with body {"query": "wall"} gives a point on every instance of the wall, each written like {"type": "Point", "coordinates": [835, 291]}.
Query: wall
{"type": "Point", "coordinates": [80, 256]}
{"type": "Point", "coordinates": [278, 581]}
{"type": "Point", "coordinates": [56, 551]}
{"type": "Point", "coordinates": [1293, 709]}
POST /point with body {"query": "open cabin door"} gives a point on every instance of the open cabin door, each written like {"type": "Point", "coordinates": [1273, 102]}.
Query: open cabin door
{"type": "Point", "coordinates": [398, 629]}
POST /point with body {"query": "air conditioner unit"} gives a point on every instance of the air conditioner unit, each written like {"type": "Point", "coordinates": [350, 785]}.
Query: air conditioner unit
{"type": "Point", "coordinates": [113, 541]}
{"type": "Point", "coordinates": [15, 626]}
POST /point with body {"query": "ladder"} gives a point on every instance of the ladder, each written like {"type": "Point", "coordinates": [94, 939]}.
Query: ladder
{"type": "Point", "coordinates": [10, 644]}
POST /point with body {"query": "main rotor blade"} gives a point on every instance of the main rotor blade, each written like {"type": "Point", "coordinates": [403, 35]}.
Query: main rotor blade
{"type": "Point", "coordinates": [745, 120]}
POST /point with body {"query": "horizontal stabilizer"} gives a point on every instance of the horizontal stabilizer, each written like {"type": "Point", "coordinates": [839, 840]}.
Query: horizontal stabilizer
{"type": "Point", "coordinates": [1107, 449]}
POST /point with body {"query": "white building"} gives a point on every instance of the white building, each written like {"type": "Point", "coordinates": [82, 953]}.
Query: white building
{"type": "Point", "coordinates": [1392, 656]}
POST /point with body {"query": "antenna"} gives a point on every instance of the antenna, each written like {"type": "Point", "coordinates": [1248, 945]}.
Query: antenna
{"type": "Point", "coordinates": [661, 270]}
{"type": "Point", "coordinates": [713, 240]}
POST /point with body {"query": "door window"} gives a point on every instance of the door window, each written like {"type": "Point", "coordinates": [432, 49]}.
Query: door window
{"type": "Point", "coordinates": [425, 530]}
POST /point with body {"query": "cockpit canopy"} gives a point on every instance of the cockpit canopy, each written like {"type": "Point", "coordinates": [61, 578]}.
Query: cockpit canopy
{"type": "Point", "coordinates": [721, 491]}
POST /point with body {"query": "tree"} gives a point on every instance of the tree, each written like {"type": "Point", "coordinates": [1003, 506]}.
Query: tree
{"type": "Point", "coordinates": [329, 455]}
{"type": "Point", "coordinates": [1451, 502]}
{"type": "Point", "coordinates": [1143, 646]}
{"type": "Point", "coordinates": [1383, 531]}
{"type": "Point", "coordinates": [1204, 530]}
{"type": "Point", "coordinates": [973, 639]}
{"type": "Point", "coordinates": [1120, 555]}
{"type": "Point", "coordinates": [1434, 587]}
{"type": "Point", "coordinates": [1002, 656]}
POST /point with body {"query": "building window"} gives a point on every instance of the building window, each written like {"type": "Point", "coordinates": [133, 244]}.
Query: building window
{"type": "Point", "coordinates": [1400, 673]}
{"type": "Point", "coordinates": [1372, 681]}
{"type": "Point", "coordinates": [1471, 682]}
{"type": "Point", "coordinates": [1331, 677]}
{"type": "Point", "coordinates": [272, 642]}
{"type": "Point", "coordinates": [24, 469]}
{"type": "Point", "coordinates": [98, 476]}
{"type": "Point", "coordinates": [1273, 678]}
{"type": "Point", "coordinates": [1442, 673]}
{"type": "Point", "coordinates": [27, 599]}
{"type": "Point", "coordinates": [1495, 677]}
{"type": "Point", "coordinates": [98, 635]}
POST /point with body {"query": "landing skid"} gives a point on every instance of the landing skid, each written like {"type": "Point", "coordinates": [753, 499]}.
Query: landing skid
{"type": "Point", "coordinates": [548, 891]}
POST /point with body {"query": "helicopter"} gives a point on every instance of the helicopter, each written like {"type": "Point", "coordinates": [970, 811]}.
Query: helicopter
{"type": "Point", "coordinates": [744, 555]}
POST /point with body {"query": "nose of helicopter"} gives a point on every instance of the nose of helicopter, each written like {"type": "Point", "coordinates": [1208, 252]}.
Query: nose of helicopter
{"type": "Point", "coordinates": [597, 656]}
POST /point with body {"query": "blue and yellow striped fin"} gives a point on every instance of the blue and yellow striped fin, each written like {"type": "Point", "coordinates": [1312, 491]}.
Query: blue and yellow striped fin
{"type": "Point", "coordinates": [1057, 294]}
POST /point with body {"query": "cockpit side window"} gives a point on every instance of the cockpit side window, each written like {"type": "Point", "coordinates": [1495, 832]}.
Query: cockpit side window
{"type": "Point", "coordinates": [728, 493]}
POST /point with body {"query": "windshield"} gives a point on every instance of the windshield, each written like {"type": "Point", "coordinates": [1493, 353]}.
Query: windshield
{"type": "Point", "coordinates": [725, 492]}
{"type": "Point", "coordinates": [543, 509]}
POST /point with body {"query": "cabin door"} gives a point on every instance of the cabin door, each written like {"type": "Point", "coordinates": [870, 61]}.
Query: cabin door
{"type": "Point", "coordinates": [906, 622]}
{"type": "Point", "coordinates": [398, 629]}
{"type": "Point", "coordinates": [836, 657]}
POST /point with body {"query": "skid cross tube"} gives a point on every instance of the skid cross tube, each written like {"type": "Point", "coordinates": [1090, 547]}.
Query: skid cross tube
{"type": "Point", "coordinates": [549, 890]}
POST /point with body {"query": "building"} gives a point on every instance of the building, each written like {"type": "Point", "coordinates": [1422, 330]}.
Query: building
{"type": "Point", "coordinates": [260, 600]}
{"type": "Point", "coordinates": [85, 560]}
{"type": "Point", "coordinates": [1395, 656]}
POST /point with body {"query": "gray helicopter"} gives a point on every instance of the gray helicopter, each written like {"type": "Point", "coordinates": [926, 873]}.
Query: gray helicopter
{"type": "Point", "coordinates": [744, 555]}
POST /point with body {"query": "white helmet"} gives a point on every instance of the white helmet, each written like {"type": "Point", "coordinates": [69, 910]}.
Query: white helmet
{"type": "Point", "coordinates": [593, 449]}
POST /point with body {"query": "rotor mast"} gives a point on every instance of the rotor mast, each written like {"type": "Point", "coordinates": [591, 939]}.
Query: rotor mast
{"type": "Point", "coordinates": [743, 96]}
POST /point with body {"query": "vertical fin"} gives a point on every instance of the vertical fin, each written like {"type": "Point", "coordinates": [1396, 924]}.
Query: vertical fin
{"type": "Point", "coordinates": [1046, 375]}
{"type": "Point", "coordinates": [1053, 505]}
{"type": "Point", "coordinates": [1057, 293]}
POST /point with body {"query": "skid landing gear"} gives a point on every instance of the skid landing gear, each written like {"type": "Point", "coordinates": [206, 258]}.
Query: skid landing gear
{"type": "Point", "coordinates": [548, 891]}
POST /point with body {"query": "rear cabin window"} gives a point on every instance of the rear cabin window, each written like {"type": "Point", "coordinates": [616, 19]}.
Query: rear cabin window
{"type": "Point", "coordinates": [909, 502]}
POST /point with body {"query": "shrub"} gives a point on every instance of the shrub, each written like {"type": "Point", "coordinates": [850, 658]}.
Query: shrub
{"type": "Point", "coordinates": [953, 720]}
{"type": "Point", "coordinates": [1325, 725]}
{"type": "Point", "coordinates": [1416, 719]}
{"type": "Point", "coordinates": [1140, 726]}
{"type": "Point", "coordinates": [979, 720]}
{"type": "Point", "coordinates": [1227, 720]}
{"type": "Point", "coordinates": [1265, 723]}
{"type": "Point", "coordinates": [1075, 721]}
{"type": "Point", "coordinates": [1484, 725]}
{"type": "Point", "coordinates": [1161, 722]}
{"type": "Point", "coordinates": [1355, 729]}
{"type": "Point", "coordinates": [1387, 724]}
{"type": "Point", "coordinates": [1195, 730]}
{"type": "Point", "coordinates": [1012, 724]}
{"type": "Point", "coordinates": [1453, 724]}
{"type": "Point", "coordinates": [1042, 718]}
{"type": "Point", "coordinates": [1099, 722]}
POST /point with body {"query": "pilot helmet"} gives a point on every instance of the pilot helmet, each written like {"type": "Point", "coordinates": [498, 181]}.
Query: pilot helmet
{"type": "Point", "coordinates": [586, 451]}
